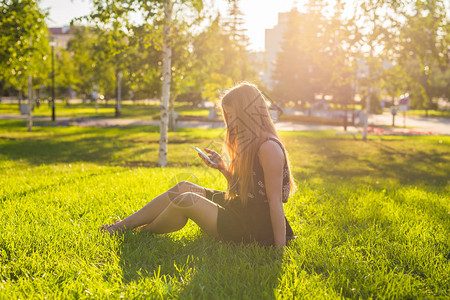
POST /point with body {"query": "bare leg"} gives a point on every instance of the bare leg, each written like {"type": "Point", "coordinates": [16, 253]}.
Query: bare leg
{"type": "Point", "coordinates": [187, 206]}
{"type": "Point", "coordinates": [154, 208]}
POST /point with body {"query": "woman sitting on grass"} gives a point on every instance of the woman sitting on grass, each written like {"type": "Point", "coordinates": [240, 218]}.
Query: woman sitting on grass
{"type": "Point", "coordinates": [259, 182]}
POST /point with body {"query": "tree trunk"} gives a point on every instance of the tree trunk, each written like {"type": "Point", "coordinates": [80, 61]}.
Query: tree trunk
{"type": "Point", "coordinates": [19, 95]}
{"type": "Point", "coordinates": [172, 120]}
{"type": "Point", "coordinates": [30, 104]}
{"type": "Point", "coordinates": [345, 117]}
{"type": "Point", "coordinates": [366, 117]}
{"type": "Point", "coordinates": [53, 84]}
{"type": "Point", "coordinates": [70, 96]}
{"type": "Point", "coordinates": [166, 65]}
{"type": "Point", "coordinates": [119, 94]}
{"type": "Point", "coordinates": [2, 84]}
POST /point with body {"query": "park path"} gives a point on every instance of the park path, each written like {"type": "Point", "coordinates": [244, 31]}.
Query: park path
{"type": "Point", "coordinates": [415, 125]}
{"type": "Point", "coordinates": [436, 125]}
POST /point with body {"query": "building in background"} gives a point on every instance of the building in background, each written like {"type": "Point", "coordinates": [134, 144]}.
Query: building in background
{"type": "Point", "coordinates": [257, 60]}
{"type": "Point", "coordinates": [61, 36]}
{"type": "Point", "coordinates": [272, 44]}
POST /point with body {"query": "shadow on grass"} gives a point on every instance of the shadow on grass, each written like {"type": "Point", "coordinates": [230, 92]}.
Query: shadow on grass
{"type": "Point", "coordinates": [330, 158]}
{"type": "Point", "coordinates": [37, 152]}
{"type": "Point", "coordinates": [120, 146]}
{"type": "Point", "coordinates": [336, 159]}
{"type": "Point", "coordinates": [201, 267]}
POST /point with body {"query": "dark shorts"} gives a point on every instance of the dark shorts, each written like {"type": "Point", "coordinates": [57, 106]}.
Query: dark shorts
{"type": "Point", "coordinates": [230, 225]}
{"type": "Point", "coordinates": [240, 225]}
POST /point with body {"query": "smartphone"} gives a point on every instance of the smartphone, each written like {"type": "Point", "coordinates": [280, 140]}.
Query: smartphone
{"type": "Point", "coordinates": [203, 154]}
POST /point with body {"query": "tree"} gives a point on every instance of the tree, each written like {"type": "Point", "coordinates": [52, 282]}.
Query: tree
{"type": "Point", "coordinates": [220, 57]}
{"type": "Point", "coordinates": [393, 81]}
{"type": "Point", "coordinates": [424, 50]}
{"type": "Point", "coordinates": [115, 14]}
{"type": "Point", "coordinates": [115, 48]}
{"type": "Point", "coordinates": [379, 19]}
{"type": "Point", "coordinates": [81, 47]}
{"type": "Point", "coordinates": [234, 46]}
{"type": "Point", "coordinates": [144, 71]}
{"type": "Point", "coordinates": [24, 47]}
{"type": "Point", "coordinates": [93, 68]}
{"type": "Point", "coordinates": [164, 56]}
{"type": "Point", "coordinates": [214, 86]}
{"type": "Point", "coordinates": [66, 76]}
{"type": "Point", "coordinates": [166, 74]}
{"type": "Point", "coordinates": [337, 57]}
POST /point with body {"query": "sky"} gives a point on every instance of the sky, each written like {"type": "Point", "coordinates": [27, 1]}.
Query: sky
{"type": "Point", "coordinates": [258, 14]}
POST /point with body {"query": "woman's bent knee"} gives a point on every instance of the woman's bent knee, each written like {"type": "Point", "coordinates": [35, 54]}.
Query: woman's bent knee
{"type": "Point", "coordinates": [202, 211]}
{"type": "Point", "coordinates": [185, 200]}
{"type": "Point", "coordinates": [186, 186]}
{"type": "Point", "coordinates": [183, 186]}
{"type": "Point", "coordinates": [178, 189]}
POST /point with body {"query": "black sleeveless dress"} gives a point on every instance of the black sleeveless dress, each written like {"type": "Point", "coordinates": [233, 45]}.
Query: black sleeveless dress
{"type": "Point", "coordinates": [246, 224]}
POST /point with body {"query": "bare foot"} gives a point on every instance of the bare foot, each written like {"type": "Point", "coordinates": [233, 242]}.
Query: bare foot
{"type": "Point", "coordinates": [111, 228]}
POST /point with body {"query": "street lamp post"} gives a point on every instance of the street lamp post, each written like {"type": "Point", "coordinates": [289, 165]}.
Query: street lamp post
{"type": "Point", "coordinates": [52, 44]}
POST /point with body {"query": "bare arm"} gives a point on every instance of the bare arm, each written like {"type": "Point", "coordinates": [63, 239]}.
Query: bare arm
{"type": "Point", "coordinates": [271, 158]}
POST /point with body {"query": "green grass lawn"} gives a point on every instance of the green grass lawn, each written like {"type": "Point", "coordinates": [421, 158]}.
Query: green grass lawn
{"type": "Point", "coordinates": [87, 110]}
{"type": "Point", "coordinates": [372, 218]}
{"type": "Point", "coordinates": [432, 113]}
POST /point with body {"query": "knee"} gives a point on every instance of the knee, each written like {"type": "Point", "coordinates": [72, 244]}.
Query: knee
{"type": "Point", "coordinates": [185, 200]}
{"type": "Point", "coordinates": [184, 186]}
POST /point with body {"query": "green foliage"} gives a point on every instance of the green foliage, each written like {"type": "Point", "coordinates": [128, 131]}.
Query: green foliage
{"type": "Point", "coordinates": [92, 67]}
{"type": "Point", "coordinates": [393, 81]}
{"type": "Point", "coordinates": [197, 53]}
{"type": "Point", "coordinates": [400, 46]}
{"type": "Point", "coordinates": [219, 56]}
{"type": "Point", "coordinates": [66, 75]}
{"type": "Point", "coordinates": [114, 42]}
{"type": "Point", "coordinates": [216, 84]}
{"type": "Point", "coordinates": [209, 59]}
{"type": "Point", "coordinates": [423, 43]}
{"type": "Point", "coordinates": [375, 106]}
{"type": "Point", "coordinates": [371, 219]}
{"type": "Point", "coordinates": [24, 46]}
{"type": "Point", "coordinates": [144, 64]}
{"type": "Point", "coordinates": [234, 45]}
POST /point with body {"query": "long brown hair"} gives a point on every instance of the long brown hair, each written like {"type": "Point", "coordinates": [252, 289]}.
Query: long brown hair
{"type": "Point", "coordinates": [248, 125]}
